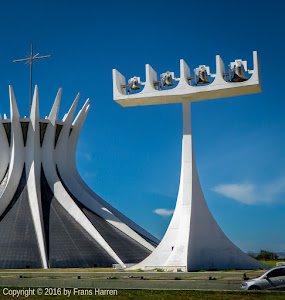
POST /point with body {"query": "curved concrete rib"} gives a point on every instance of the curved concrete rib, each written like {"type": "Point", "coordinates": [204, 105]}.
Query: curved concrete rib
{"type": "Point", "coordinates": [5, 151]}
{"type": "Point", "coordinates": [61, 194]}
{"type": "Point", "coordinates": [33, 175]}
{"type": "Point", "coordinates": [17, 155]}
{"type": "Point", "coordinates": [74, 175]}
{"type": "Point", "coordinates": [55, 108]}
{"type": "Point", "coordinates": [64, 155]}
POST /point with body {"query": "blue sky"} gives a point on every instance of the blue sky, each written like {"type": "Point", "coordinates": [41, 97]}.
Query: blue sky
{"type": "Point", "coordinates": [131, 156]}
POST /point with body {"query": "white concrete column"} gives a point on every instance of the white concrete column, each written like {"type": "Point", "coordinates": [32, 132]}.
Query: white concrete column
{"type": "Point", "coordinates": [17, 155]}
{"type": "Point", "coordinates": [5, 151]}
{"type": "Point", "coordinates": [62, 196]}
{"type": "Point", "coordinates": [33, 172]}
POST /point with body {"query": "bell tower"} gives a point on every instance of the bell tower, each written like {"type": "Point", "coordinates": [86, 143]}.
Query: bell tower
{"type": "Point", "coordinates": [193, 240]}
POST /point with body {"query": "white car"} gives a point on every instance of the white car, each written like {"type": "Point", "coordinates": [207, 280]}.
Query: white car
{"type": "Point", "coordinates": [274, 279]}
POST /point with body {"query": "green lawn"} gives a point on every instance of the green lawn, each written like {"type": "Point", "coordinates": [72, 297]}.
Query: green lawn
{"type": "Point", "coordinates": [271, 263]}
{"type": "Point", "coordinates": [165, 295]}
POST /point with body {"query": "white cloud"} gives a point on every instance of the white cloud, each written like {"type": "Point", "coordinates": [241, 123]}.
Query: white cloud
{"type": "Point", "coordinates": [84, 155]}
{"type": "Point", "coordinates": [241, 192]}
{"type": "Point", "coordinates": [90, 175]}
{"type": "Point", "coordinates": [164, 212]}
{"type": "Point", "coordinates": [251, 193]}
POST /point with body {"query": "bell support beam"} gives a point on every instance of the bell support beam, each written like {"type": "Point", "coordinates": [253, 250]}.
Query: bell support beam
{"type": "Point", "coordinates": [219, 88]}
{"type": "Point", "coordinates": [193, 240]}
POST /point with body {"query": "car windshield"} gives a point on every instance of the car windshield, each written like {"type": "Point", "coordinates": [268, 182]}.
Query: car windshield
{"type": "Point", "coordinates": [276, 273]}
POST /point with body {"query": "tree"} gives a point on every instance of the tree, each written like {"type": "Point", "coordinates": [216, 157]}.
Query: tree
{"type": "Point", "coordinates": [266, 255]}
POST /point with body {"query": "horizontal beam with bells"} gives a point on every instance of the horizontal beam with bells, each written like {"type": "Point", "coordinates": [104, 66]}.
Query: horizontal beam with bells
{"type": "Point", "coordinates": [151, 94]}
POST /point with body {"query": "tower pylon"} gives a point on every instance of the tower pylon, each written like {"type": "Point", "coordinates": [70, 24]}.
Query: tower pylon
{"type": "Point", "coordinates": [193, 240]}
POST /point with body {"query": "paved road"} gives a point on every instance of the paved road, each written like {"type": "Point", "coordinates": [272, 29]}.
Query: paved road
{"type": "Point", "coordinates": [124, 283]}
{"type": "Point", "coordinates": [216, 274]}
{"type": "Point", "coordinates": [124, 280]}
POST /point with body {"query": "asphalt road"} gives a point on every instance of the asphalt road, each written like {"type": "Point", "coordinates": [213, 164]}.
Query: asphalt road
{"type": "Point", "coordinates": [125, 280]}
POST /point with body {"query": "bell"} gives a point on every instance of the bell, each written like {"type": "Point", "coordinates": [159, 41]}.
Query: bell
{"type": "Point", "coordinates": [203, 78]}
{"type": "Point", "coordinates": [135, 85]}
{"type": "Point", "coordinates": [238, 75]}
{"type": "Point", "coordinates": [168, 80]}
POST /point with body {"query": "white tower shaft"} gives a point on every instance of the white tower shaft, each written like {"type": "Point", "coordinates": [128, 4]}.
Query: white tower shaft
{"type": "Point", "coordinates": [193, 240]}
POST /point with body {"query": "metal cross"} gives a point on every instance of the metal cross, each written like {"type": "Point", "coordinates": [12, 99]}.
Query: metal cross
{"type": "Point", "coordinates": [29, 61]}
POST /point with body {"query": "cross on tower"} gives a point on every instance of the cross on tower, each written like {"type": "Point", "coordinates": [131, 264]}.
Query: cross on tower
{"type": "Point", "coordinates": [30, 60]}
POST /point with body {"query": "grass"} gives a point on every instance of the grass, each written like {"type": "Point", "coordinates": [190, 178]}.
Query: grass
{"type": "Point", "coordinates": [271, 263]}
{"type": "Point", "coordinates": [166, 295]}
